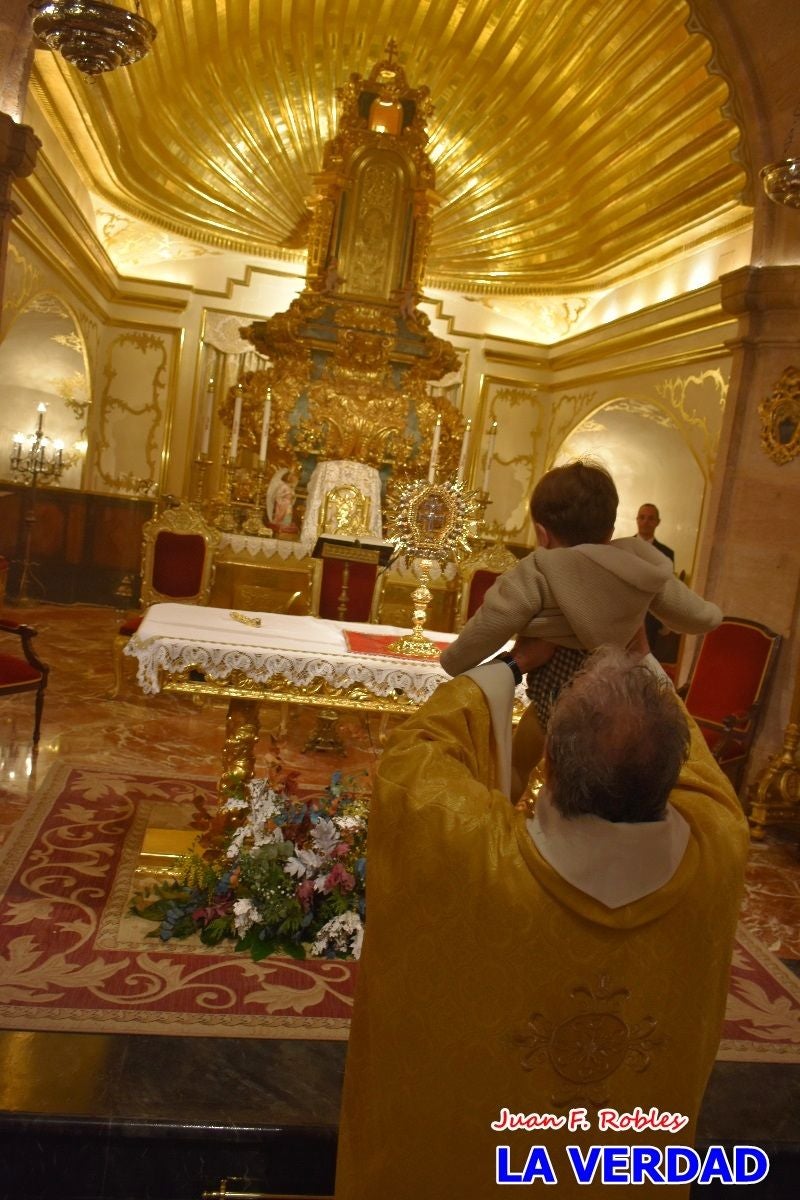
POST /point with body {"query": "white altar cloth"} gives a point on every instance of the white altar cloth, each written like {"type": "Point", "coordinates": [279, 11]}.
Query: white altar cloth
{"type": "Point", "coordinates": [174, 638]}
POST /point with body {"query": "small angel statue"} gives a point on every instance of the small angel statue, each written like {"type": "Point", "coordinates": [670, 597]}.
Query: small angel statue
{"type": "Point", "coordinates": [280, 498]}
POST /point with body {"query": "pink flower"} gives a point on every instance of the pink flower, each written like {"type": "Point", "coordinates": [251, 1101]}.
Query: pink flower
{"type": "Point", "coordinates": [204, 916]}
{"type": "Point", "coordinates": [341, 878]}
{"type": "Point", "coordinates": [305, 894]}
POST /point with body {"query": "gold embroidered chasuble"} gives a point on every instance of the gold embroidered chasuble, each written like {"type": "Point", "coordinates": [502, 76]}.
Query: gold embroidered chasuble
{"type": "Point", "coordinates": [489, 982]}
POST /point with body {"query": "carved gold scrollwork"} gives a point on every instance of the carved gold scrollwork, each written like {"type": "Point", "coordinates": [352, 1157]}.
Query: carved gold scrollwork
{"type": "Point", "coordinates": [238, 753]}
{"type": "Point", "coordinates": [780, 418]}
{"type": "Point", "coordinates": [775, 796]}
{"type": "Point", "coordinates": [353, 354]}
{"type": "Point", "coordinates": [277, 690]}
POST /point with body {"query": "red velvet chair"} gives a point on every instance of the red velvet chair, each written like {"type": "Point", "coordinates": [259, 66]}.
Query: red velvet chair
{"type": "Point", "coordinates": [23, 672]}
{"type": "Point", "coordinates": [177, 565]}
{"type": "Point", "coordinates": [727, 687]}
{"type": "Point", "coordinates": [477, 575]}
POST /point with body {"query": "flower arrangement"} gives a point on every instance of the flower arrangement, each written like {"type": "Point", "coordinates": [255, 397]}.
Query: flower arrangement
{"type": "Point", "coordinates": [275, 872]}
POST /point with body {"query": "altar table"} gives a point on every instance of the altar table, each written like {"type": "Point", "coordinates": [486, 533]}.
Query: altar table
{"type": "Point", "coordinates": [199, 651]}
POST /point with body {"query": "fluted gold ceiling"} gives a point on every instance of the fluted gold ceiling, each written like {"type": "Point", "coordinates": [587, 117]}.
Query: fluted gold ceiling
{"type": "Point", "coordinates": [571, 137]}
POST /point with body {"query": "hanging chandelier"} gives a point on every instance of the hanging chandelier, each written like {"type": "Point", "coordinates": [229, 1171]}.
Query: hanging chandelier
{"type": "Point", "coordinates": [781, 182]}
{"type": "Point", "coordinates": [94, 37]}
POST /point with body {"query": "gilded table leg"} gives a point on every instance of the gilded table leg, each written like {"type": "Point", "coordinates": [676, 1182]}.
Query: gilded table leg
{"type": "Point", "coordinates": [775, 795]}
{"type": "Point", "coordinates": [239, 751]}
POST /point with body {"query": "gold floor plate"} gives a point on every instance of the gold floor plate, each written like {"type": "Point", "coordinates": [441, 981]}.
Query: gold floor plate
{"type": "Point", "coordinates": [162, 849]}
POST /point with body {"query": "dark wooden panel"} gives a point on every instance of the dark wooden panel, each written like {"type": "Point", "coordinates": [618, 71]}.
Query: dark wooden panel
{"type": "Point", "coordinates": [85, 546]}
{"type": "Point", "coordinates": [10, 521]}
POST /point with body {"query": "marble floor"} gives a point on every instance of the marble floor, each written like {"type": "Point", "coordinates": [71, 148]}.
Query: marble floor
{"type": "Point", "coordinates": [168, 1117]}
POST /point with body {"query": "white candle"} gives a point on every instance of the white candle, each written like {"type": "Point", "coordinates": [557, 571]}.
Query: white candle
{"type": "Point", "coordinates": [437, 433]}
{"type": "Point", "coordinates": [237, 417]}
{"type": "Point", "coordinates": [206, 435]}
{"type": "Point", "coordinates": [489, 457]}
{"type": "Point", "coordinates": [462, 461]}
{"type": "Point", "coordinates": [262, 453]}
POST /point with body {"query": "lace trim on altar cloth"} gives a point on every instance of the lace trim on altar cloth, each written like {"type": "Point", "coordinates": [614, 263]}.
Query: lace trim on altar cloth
{"type": "Point", "coordinates": [416, 681]}
{"type": "Point", "coordinates": [174, 639]}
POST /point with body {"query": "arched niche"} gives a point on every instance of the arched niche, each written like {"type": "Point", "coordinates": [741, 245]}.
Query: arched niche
{"type": "Point", "coordinates": [651, 462]}
{"type": "Point", "coordinates": [43, 361]}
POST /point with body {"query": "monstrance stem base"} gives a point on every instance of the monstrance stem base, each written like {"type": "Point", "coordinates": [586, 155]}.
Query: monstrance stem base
{"type": "Point", "coordinates": [415, 644]}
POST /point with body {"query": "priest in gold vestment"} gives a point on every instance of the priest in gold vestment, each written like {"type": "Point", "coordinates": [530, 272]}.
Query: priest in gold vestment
{"type": "Point", "coordinates": [522, 969]}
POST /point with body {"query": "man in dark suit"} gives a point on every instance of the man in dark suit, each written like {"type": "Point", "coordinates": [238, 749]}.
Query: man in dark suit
{"type": "Point", "coordinates": [648, 519]}
{"type": "Point", "coordinates": [663, 644]}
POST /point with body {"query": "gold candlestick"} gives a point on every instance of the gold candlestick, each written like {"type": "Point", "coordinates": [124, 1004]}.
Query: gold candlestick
{"type": "Point", "coordinates": [200, 465]}
{"type": "Point", "coordinates": [224, 518]}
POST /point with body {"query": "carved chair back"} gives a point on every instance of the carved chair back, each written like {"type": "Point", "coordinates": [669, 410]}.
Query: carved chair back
{"type": "Point", "coordinates": [727, 687]}
{"type": "Point", "coordinates": [178, 556]}
{"type": "Point", "coordinates": [178, 548]}
{"type": "Point", "coordinates": [23, 671]}
{"type": "Point", "coordinates": [477, 575]}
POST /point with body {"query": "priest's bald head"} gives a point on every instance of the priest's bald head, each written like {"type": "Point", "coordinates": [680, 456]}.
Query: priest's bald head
{"type": "Point", "coordinates": [616, 741]}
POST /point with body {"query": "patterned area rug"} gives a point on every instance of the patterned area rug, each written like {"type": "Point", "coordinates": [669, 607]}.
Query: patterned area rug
{"type": "Point", "coordinates": [73, 959]}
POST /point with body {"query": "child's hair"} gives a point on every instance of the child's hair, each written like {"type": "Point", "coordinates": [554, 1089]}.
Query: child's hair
{"type": "Point", "coordinates": [576, 503]}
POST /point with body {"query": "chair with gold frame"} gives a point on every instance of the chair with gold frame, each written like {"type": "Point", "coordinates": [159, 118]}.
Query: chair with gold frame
{"type": "Point", "coordinates": [727, 688]}
{"type": "Point", "coordinates": [177, 565]}
{"type": "Point", "coordinates": [24, 671]}
{"type": "Point", "coordinates": [477, 575]}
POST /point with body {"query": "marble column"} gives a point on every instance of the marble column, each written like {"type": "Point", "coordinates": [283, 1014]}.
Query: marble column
{"type": "Point", "coordinates": [751, 535]}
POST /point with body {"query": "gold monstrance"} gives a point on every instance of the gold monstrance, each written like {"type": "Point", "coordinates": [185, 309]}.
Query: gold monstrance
{"type": "Point", "coordinates": [428, 522]}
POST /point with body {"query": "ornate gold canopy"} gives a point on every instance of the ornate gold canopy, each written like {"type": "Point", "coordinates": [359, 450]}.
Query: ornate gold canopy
{"type": "Point", "coordinates": [574, 139]}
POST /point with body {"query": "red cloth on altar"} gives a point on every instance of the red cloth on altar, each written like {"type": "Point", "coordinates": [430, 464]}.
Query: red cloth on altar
{"type": "Point", "coordinates": [379, 643]}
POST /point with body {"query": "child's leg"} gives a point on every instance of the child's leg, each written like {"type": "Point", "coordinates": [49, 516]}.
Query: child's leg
{"type": "Point", "coordinates": [544, 684]}
{"type": "Point", "coordinates": [526, 751]}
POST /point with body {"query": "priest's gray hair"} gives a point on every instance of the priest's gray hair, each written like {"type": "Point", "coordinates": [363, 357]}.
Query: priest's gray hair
{"type": "Point", "coordinates": [616, 740]}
